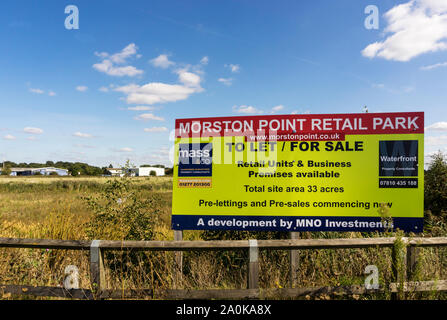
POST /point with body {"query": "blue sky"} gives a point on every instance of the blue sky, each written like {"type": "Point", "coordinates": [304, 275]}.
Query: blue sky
{"type": "Point", "coordinates": [65, 94]}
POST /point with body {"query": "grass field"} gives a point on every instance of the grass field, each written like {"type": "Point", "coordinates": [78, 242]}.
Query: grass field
{"type": "Point", "coordinates": [58, 208]}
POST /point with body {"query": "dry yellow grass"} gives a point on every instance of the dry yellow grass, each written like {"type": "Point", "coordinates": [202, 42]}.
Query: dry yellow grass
{"type": "Point", "coordinates": [53, 208]}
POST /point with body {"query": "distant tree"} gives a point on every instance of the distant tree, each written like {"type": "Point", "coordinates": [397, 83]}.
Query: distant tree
{"type": "Point", "coordinates": [127, 168]}
{"type": "Point", "coordinates": [49, 164]}
{"type": "Point", "coordinates": [76, 169]}
{"type": "Point", "coordinates": [436, 184]}
{"type": "Point", "coordinates": [9, 164]}
{"type": "Point", "coordinates": [6, 171]}
{"type": "Point", "coordinates": [152, 173]}
{"type": "Point", "coordinates": [152, 165]}
{"type": "Point", "coordinates": [110, 166]}
{"type": "Point", "coordinates": [169, 171]}
{"type": "Point", "coordinates": [35, 165]}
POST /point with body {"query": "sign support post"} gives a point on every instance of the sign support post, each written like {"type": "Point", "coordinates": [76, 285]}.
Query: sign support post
{"type": "Point", "coordinates": [294, 260]}
{"type": "Point", "coordinates": [178, 258]}
{"type": "Point", "coordinates": [253, 265]}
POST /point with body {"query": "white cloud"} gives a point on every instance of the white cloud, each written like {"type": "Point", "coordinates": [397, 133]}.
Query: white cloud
{"type": "Point", "coordinates": [148, 116]}
{"type": "Point", "coordinates": [189, 82]}
{"type": "Point", "coordinates": [434, 66]}
{"type": "Point", "coordinates": [101, 54]}
{"type": "Point", "coordinates": [38, 91]}
{"type": "Point", "coordinates": [104, 89]}
{"type": "Point", "coordinates": [414, 28]}
{"type": "Point", "coordinates": [82, 88]}
{"type": "Point", "coordinates": [156, 129]}
{"type": "Point", "coordinates": [125, 149]}
{"type": "Point", "coordinates": [126, 53]}
{"type": "Point", "coordinates": [108, 66]}
{"type": "Point", "coordinates": [189, 79]}
{"type": "Point", "coordinates": [82, 135]}
{"type": "Point", "coordinates": [162, 61]}
{"type": "Point", "coordinates": [233, 67]}
{"type": "Point", "coordinates": [226, 81]}
{"type": "Point", "coordinates": [204, 60]}
{"type": "Point", "coordinates": [51, 93]}
{"type": "Point", "coordinates": [435, 140]}
{"type": "Point", "coordinates": [9, 137]}
{"type": "Point", "coordinates": [121, 56]}
{"type": "Point", "coordinates": [438, 126]}
{"type": "Point", "coordinates": [140, 108]}
{"type": "Point", "coordinates": [277, 108]}
{"type": "Point", "coordinates": [157, 92]}
{"type": "Point", "coordinates": [32, 130]}
{"type": "Point", "coordinates": [246, 109]}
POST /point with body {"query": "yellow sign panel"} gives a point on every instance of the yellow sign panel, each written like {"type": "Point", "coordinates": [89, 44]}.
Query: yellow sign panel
{"type": "Point", "coordinates": [300, 172]}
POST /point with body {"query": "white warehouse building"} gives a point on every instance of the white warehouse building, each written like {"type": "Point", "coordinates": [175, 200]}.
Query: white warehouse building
{"type": "Point", "coordinates": [146, 171]}
{"type": "Point", "coordinates": [138, 172]}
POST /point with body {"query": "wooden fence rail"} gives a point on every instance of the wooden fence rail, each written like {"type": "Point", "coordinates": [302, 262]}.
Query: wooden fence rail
{"type": "Point", "coordinates": [97, 248]}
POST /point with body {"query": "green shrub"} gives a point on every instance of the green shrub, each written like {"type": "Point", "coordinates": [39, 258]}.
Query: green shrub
{"type": "Point", "coordinates": [435, 192]}
{"type": "Point", "coordinates": [119, 213]}
{"type": "Point", "coordinates": [6, 171]}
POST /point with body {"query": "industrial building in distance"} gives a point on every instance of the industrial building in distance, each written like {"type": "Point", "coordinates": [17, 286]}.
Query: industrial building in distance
{"type": "Point", "coordinates": [37, 171]}
{"type": "Point", "coordinates": [137, 172]}
{"type": "Point", "coordinates": [114, 172]}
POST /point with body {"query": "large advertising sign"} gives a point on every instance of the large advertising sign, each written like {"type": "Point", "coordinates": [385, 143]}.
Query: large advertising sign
{"type": "Point", "coordinates": [327, 172]}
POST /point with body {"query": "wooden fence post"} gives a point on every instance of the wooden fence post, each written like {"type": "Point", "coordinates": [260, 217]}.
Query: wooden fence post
{"type": "Point", "coordinates": [412, 256]}
{"type": "Point", "coordinates": [253, 265]}
{"type": "Point", "coordinates": [178, 257]}
{"type": "Point", "coordinates": [399, 265]}
{"type": "Point", "coordinates": [294, 260]}
{"type": "Point", "coordinates": [98, 277]}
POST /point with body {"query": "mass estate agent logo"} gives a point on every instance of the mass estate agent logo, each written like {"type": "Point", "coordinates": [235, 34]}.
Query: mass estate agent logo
{"type": "Point", "coordinates": [195, 160]}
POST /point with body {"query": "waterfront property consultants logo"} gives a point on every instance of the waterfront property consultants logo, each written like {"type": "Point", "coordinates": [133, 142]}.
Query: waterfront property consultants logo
{"type": "Point", "coordinates": [398, 158]}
